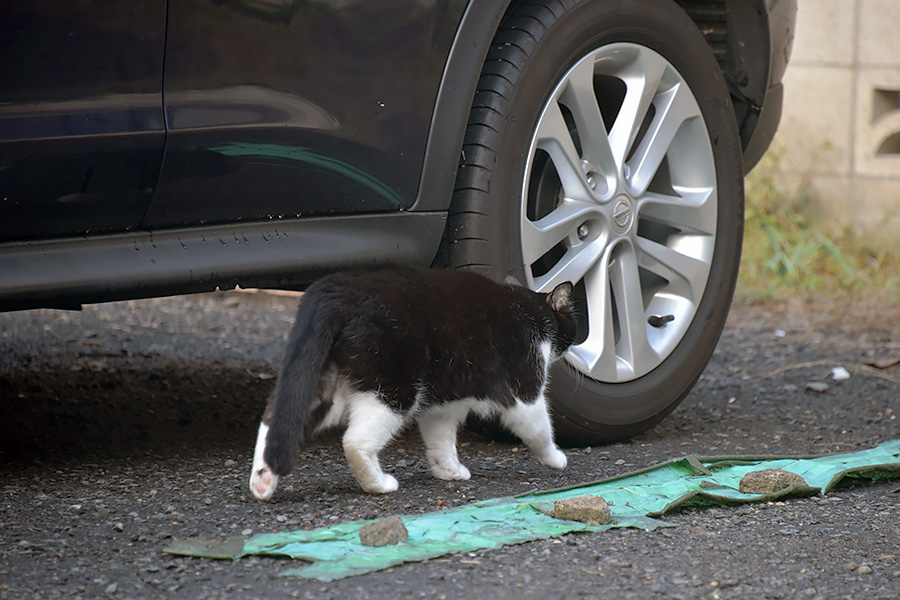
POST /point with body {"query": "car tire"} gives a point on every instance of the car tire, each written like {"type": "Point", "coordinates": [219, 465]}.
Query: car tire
{"type": "Point", "coordinates": [602, 148]}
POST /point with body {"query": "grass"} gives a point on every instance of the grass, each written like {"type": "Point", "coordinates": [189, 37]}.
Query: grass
{"type": "Point", "coordinates": [785, 254]}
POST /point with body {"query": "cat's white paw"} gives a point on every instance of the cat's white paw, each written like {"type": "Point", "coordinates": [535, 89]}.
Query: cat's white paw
{"type": "Point", "coordinates": [554, 458]}
{"type": "Point", "coordinates": [452, 472]}
{"type": "Point", "coordinates": [384, 484]}
{"type": "Point", "coordinates": [263, 482]}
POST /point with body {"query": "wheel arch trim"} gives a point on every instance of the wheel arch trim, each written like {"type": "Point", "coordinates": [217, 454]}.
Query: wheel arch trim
{"type": "Point", "coordinates": [453, 104]}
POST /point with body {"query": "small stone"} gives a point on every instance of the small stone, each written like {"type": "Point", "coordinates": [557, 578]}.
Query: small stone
{"type": "Point", "coordinates": [112, 588]}
{"type": "Point", "coordinates": [592, 510]}
{"type": "Point", "coordinates": [230, 463]}
{"type": "Point", "coordinates": [386, 532]}
{"type": "Point", "coordinates": [620, 462]}
{"type": "Point", "coordinates": [769, 481]}
{"type": "Point", "coordinates": [864, 570]}
{"type": "Point", "coordinates": [840, 374]}
{"type": "Point", "coordinates": [119, 527]}
{"type": "Point", "coordinates": [820, 387]}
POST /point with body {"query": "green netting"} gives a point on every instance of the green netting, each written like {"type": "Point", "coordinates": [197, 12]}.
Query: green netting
{"type": "Point", "coordinates": [635, 499]}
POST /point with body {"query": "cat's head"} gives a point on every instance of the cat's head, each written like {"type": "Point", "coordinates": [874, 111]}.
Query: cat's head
{"type": "Point", "coordinates": [562, 302]}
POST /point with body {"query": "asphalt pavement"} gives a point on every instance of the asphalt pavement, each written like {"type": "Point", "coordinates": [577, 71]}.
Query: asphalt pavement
{"type": "Point", "coordinates": [128, 425]}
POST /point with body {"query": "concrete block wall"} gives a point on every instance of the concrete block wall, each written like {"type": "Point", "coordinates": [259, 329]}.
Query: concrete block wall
{"type": "Point", "coordinates": [840, 130]}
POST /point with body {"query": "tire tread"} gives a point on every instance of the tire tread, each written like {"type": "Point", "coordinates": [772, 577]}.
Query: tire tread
{"type": "Point", "coordinates": [470, 210]}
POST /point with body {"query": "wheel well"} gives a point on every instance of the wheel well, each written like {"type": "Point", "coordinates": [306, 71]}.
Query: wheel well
{"type": "Point", "coordinates": [736, 48]}
{"type": "Point", "coordinates": [737, 32]}
{"type": "Point", "coordinates": [738, 35]}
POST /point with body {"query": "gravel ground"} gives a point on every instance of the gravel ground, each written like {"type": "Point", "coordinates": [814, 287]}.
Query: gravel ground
{"type": "Point", "coordinates": [128, 424]}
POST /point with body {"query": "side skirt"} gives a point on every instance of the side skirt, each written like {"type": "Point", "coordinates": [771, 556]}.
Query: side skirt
{"type": "Point", "coordinates": [66, 273]}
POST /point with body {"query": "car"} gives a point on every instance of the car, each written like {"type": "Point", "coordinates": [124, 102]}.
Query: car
{"type": "Point", "coordinates": [152, 148]}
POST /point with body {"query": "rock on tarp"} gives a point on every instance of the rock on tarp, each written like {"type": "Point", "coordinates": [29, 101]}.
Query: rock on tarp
{"type": "Point", "coordinates": [635, 500]}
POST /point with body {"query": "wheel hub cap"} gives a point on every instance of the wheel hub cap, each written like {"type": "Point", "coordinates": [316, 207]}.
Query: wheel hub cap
{"type": "Point", "coordinates": [620, 198]}
{"type": "Point", "coordinates": [622, 215]}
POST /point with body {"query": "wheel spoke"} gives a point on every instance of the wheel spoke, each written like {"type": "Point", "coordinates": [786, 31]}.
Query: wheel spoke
{"type": "Point", "coordinates": [597, 353]}
{"type": "Point", "coordinates": [634, 346]}
{"type": "Point", "coordinates": [686, 275]}
{"type": "Point", "coordinates": [674, 107]}
{"type": "Point", "coordinates": [572, 267]}
{"type": "Point", "coordinates": [689, 212]}
{"type": "Point", "coordinates": [538, 237]}
{"type": "Point", "coordinates": [554, 138]}
{"type": "Point", "coordinates": [580, 98]}
{"type": "Point", "coordinates": [642, 78]}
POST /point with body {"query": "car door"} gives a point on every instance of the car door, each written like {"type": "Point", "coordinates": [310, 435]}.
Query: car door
{"type": "Point", "coordinates": [296, 108]}
{"type": "Point", "coordinates": [81, 123]}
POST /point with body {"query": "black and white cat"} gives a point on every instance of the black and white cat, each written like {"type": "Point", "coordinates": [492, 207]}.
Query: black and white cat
{"type": "Point", "coordinates": [375, 350]}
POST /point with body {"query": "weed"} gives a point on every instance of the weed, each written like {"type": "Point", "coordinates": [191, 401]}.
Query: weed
{"type": "Point", "coordinates": [784, 253]}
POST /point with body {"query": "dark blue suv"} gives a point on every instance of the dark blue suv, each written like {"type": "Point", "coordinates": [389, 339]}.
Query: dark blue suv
{"type": "Point", "coordinates": [157, 147]}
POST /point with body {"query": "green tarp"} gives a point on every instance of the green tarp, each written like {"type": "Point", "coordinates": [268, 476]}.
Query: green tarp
{"type": "Point", "coordinates": [635, 500]}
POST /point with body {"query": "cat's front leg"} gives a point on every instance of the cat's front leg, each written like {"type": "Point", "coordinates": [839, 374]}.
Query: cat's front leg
{"type": "Point", "coordinates": [552, 457]}
{"type": "Point", "coordinates": [446, 466]}
{"type": "Point", "coordinates": [263, 480]}
{"type": "Point", "coordinates": [531, 422]}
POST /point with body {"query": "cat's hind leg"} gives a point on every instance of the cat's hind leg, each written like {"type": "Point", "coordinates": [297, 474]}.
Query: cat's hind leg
{"type": "Point", "coordinates": [531, 422]}
{"type": "Point", "coordinates": [263, 480]}
{"type": "Point", "coordinates": [371, 425]}
{"type": "Point", "coordinates": [439, 426]}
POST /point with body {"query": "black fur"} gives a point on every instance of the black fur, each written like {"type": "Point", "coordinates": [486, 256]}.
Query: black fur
{"type": "Point", "coordinates": [450, 335]}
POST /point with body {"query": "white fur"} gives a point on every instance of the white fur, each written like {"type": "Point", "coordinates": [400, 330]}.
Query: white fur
{"type": "Point", "coordinates": [262, 480]}
{"type": "Point", "coordinates": [371, 425]}
{"type": "Point", "coordinates": [544, 350]}
{"type": "Point", "coordinates": [438, 426]}
{"type": "Point", "coordinates": [531, 422]}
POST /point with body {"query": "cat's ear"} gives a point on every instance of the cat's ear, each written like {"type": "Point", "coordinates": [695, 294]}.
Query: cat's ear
{"type": "Point", "coordinates": [561, 296]}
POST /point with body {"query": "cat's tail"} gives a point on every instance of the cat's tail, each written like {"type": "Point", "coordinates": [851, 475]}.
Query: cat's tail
{"type": "Point", "coordinates": [289, 415]}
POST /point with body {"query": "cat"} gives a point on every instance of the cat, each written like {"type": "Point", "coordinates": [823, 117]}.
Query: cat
{"type": "Point", "coordinates": [377, 349]}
